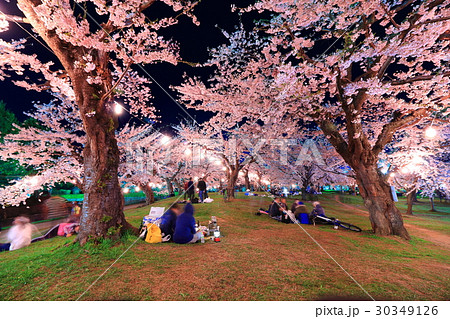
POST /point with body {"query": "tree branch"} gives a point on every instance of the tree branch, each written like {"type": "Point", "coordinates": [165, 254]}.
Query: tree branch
{"type": "Point", "coordinates": [105, 96]}
{"type": "Point", "coordinates": [397, 122]}
{"type": "Point", "coordinates": [332, 133]}
{"type": "Point", "coordinates": [417, 78]}
{"type": "Point", "coordinates": [333, 172]}
{"type": "Point", "coordinates": [300, 50]}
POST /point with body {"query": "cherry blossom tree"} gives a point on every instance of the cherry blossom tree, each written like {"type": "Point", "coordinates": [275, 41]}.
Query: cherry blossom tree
{"type": "Point", "coordinates": [94, 52]}
{"type": "Point", "coordinates": [149, 157]}
{"type": "Point", "coordinates": [136, 166]}
{"type": "Point", "coordinates": [420, 163]}
{"type": "Point", "coordinates": [53, 149]}
{"type": "Point", "coordinates": [361, 71]}
{"type": "Point", "coordinates": [232, 147]}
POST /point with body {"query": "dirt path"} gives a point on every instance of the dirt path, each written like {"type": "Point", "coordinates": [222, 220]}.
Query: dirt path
{"type": "Point", "coordinates": [433, 236]}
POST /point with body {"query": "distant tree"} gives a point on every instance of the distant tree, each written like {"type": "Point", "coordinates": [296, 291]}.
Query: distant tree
{"type": "Point", "coordinates": [10, 169]}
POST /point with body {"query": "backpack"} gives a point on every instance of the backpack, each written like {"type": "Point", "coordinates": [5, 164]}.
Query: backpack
{"type": "Point", "coordinates": [153, 235]}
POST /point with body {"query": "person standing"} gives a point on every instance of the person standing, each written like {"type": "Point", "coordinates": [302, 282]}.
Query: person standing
{"type": "Point", "coordinates": [190, 189]}
{"type": "Point", "coordinates": [186, 187]}
{"type": "Point", "coordinates": [76, 211]}
{"type": "Point", "coordinates": [201, 189]}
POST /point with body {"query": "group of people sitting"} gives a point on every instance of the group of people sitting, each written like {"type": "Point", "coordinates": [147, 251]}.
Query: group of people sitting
{"type": "Point", "coordinates": [278, 210]}
{"type": "Point", "coordinates": [21, 232]}
{"type": "Point", "coordinates": [180, 225]}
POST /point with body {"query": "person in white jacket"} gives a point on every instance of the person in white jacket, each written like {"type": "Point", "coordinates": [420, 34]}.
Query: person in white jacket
{"type": "Point", "coordinates": [19, 235]}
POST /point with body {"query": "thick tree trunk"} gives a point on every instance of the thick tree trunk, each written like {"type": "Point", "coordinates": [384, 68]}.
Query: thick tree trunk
{"type": "Point", "coordinates": [169, 186]}
{"type": "Point", "coordinates": [383, 214]}
{"type": "Point", "coordinates": [149, 194]}
{"type": "Point", "coordinates": [247, 181]}
{"type": "Point", "coordinates": [410, 200]}
{"type": "Point", "coordinates": [303, 190]}
{"type": "Point", "coordinates": [433, 209]}
{"type": "Point", "coordinates": [102, 214]}
{"type": "Point", "coordinates": [178, 185]}
{"type": "Point", "coordinates": [232, 179]}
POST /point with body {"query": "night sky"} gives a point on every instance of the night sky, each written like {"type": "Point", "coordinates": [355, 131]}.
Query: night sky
{"type": "Point", "coordinates": [194, 42]}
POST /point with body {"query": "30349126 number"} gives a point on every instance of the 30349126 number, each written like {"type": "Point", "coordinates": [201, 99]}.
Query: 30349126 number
{"type": "Point", "coordinates": [407, 310]}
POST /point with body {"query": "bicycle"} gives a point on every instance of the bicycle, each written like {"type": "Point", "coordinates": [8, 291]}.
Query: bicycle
{"type": "Point", "coordinates": [336, 222]}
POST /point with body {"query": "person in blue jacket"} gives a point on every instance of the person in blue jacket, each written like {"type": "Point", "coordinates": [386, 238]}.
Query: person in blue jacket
{"type": "Point", "coordinates": [168, 220]}
{"type": "Point", "coordinates": [185, 232]}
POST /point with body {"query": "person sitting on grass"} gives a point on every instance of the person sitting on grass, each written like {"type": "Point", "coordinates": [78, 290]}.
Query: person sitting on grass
{"type": "Point", "coordinates": [300, 208]}
{"type": "Point", "coordinates": [294, 205]}
{"type": "Point", "coordinates": [317, 211]}
{"type": "Point", "coordinates": [70, 227]}
{"type": "Point", "coordinates": [275, 208]}
{"type": "Point", "coordinates": [19, 235]}
{"type": "Point", "coordinates": [283, 208]}
{"type": "Point", "coordinates": [185, 232]}
{"type": "Point", "coordinates": [169, 219]}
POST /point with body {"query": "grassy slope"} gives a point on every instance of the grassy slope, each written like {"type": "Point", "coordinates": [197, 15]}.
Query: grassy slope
{"type": "Point", "coordinates": [258, 259]}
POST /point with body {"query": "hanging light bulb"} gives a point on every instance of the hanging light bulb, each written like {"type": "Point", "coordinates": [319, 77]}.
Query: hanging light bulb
{"type": "Point", "coordinates": [118, 109]}
{"type": "Point", "coordinates": [137, 189]}
{"type": "Point", "coordinates": [126, 190]}
{"type": "Point", "coordinates": [430, 132]}
{"type": "Point", "coordinates": [188, 151]}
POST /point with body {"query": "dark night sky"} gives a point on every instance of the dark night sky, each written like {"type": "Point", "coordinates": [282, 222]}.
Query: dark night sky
{"type": "Point", "coordinates": [193, 41]}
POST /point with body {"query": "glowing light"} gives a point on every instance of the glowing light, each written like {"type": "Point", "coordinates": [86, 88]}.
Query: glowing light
{"type": "Point", "coordinates": [392, 174]}
{"type": "Point", "coordinates": [430, 132]}
{"type": "Point", "coordinates": [188, 151]}
{"type": "Point", "coordinates": [218, 162]}
{"type": "Point", "coordinates": [224, 168]}
{"type": "Point", "coordinates": [126, 190]}
{"type": "Point", "coordinates": [293, 185]}
{"type": "Point", "coordinates": [34, 180]}
{"type": "Point", "coordinates": [165, 139]}
{"type": "Point", "coordinates": [241, 173]}
{"type": "Point", "coordinates": [137, 189]}
{"type": "Point", "coordinates": [405, 170]}
{"type": "Point", "coordinates": [118, 109]}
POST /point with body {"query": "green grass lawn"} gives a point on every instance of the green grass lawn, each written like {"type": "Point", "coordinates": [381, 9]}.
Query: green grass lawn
{"type": "Point", "coordinates": [257, 259]}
